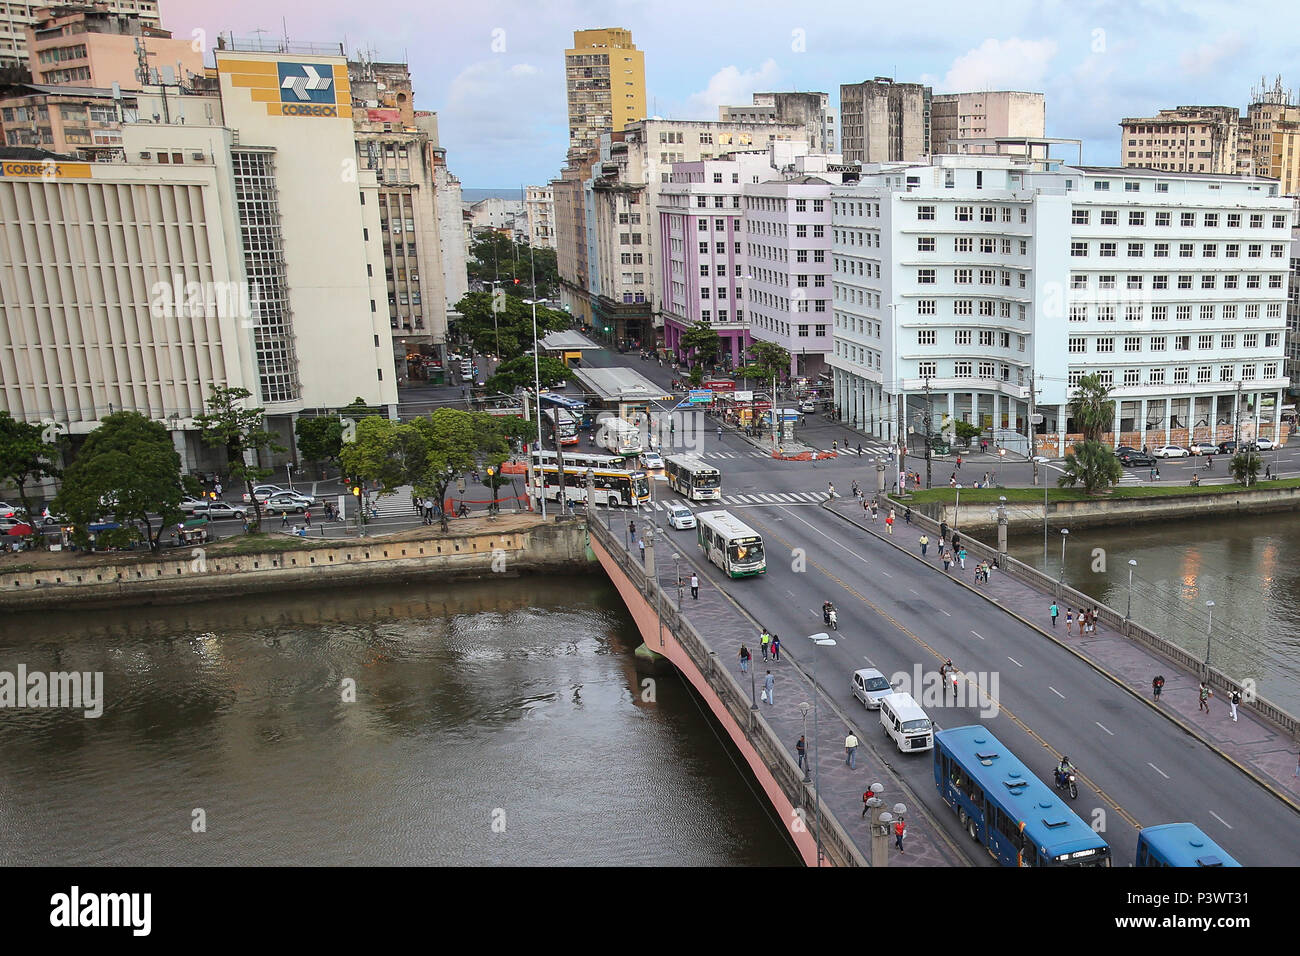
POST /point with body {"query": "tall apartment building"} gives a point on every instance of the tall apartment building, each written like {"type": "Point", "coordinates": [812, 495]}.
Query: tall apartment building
{"type": "Point", "coordinates": [882, 121]}
{"type": "Point", "coordinates": [571, 191]}
{"type": "Point", "coordinates": [17, 15]}
{"type": "Point", "coordinates": [958, 117]}
{"type": "Point", "coordinates": [1188, 139]}
{"type": "Point", "coordinates": [400, 151]}
{"type": "Point", "coordinates": [605, 79]}
{"type": "Point", "coordinates": [977, 279]}
{"type": "Point", "coordinates": [91, 46]}
{"type": "Point", "coordinates": [232, 253]}
{"type": "Point", "coordinates": [539, 207]}
{"type": "Point", "coordinates": [1271, 136]}
{"type": "Point", "coordinates": [812, 111]}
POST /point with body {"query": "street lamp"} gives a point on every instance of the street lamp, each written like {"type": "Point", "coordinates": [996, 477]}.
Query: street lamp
{"type": "Point", "coordinates": [804, 707]}
{"type": "Point", "coordinates": [1209, 634]}
{"type": "Point", "coordinates": [1131, 565]}
{"type": "Point", "coordinates": [821, 639]}
{"type": "Point", "coordinates": [1065, 534]}
{"type": "Point", "coordinates": [678, 576]}
{"type": "Point", "coordinates": [956, 511]}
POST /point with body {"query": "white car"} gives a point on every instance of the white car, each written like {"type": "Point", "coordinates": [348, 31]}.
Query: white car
{"type": "Point", "coordinates": [869, 685]}
{"type": "Point", "coordinates": [1171, 451]}
{"type": "Point", "coordinates": [288, 502]}
{"type": "Point", "coordinates": [680, 516]}
{"type": "Point", "coordinates": [220, 509]}
{"type": "Point", "coordinates": [189, 504]}
{"type": "Point", "coordinates": [262, 492]}
{"type": "Point", "coordinates": [651, 460]}
{"type": "Point", "coordinates": [1264, 444]}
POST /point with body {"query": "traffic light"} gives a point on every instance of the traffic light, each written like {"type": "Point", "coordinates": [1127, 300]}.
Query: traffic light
{"type": "Point", "coordinates": [356, 490]}
{"type": "Point", "coordinates": [516, 282]}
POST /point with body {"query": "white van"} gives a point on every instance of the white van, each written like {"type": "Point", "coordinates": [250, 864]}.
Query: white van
{"type": "Point", "coordinates": [905, 723]}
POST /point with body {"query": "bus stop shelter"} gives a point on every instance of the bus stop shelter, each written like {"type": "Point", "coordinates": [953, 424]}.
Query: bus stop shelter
{"type": "Point", "coordinates": [568, 346]}
{"type": "Point", "coordinates": [621, 389]}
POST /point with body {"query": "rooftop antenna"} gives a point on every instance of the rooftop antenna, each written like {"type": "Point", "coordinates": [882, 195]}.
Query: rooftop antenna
{"type": "Point", "coordinates": [284, 26]}
{"type": "Point", "coordinates": [259, 31]}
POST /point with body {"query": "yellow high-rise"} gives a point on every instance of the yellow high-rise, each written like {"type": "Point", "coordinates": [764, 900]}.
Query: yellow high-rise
{"type": "Point", "coordinates": [605, 76]}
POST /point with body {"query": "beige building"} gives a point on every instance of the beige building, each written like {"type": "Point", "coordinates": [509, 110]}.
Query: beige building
{"type": "Point", "coordinates": [812, 111]}
{"type": "Point", "coordinates": [17, 15]}
{"type": "Point", "coordinates": [956, 117]}
{"type": "Point", "coordinates": [1271, 135]}
{"type": "Point", "coordinates": [539, 207]}
{"type": "Point", "coordinates": [605, 80]}
{"type": "Point", "coordinates": [571, 191]}
{"type": "Point", "coordinates": [1188, 139]}
{"type": "Point", "coordinates": [882, 121]}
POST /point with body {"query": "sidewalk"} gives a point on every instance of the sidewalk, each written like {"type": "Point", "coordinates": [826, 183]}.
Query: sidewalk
{"type": "Point", "coordinates": [725, 627]}
{"type": "Point", "coordinates": [1257, 747]}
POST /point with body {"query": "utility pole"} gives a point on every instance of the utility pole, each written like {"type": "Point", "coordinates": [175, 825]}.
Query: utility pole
{"type": "Point", "coordinates": [1029, 425]}
{"type": "Point", "coordinates": [929, 423]}
{"type": "Point", "coordinates": [1236, 417]}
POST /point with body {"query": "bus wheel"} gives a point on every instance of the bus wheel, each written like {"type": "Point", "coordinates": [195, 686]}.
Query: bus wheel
{"type": "Point", "coordinates": [972, 828]}
{"type": "Point", "coordinates": [961, 816]}
{"type": "Point", "coordinates": [614, 501]}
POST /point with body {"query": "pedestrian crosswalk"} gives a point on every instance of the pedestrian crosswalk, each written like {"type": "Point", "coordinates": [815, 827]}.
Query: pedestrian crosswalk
{"type": "Point", "coordinates": [867, 453]}
{"type": "Point", "coordinates": [771, 498]}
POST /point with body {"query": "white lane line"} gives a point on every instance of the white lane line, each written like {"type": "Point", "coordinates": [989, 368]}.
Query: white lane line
{"type": "Point", "coordinates": [1016, 662]}
{"type": "Point", "coordinates": [945, 612]}
{"type": "Point", "coordinates": [978, 634]}
{"type": "Point", "coordinates": [1056, 692]}
{"type": "Point", "coordinates": [1221, 820]}
{"type": "Point", "coordinates": [1104, 727]}
{"type": "Point", "coordinates": [913, 590]}
{"type": "Point", "coordinates": [869, 660]}
{"type": "Point", "coordinates": [1157, 770]}
{"type": "Point", "coordinates": [786, 498]}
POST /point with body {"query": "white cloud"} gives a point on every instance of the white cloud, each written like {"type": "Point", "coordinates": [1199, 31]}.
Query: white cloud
{"type": "Point", "coordinates": [1207, 56]}
{"type": "Point", "coordinates": [506, 105]}
{"type": "Point", "coordinates": [730, 87]}
{"type": "Point", "coordinates": [1011, 64]}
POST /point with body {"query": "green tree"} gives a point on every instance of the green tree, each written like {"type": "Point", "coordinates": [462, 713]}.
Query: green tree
{"type": "Point", "coordinates": [966, 431]}
{"type": "Point", "coordinates": [695, 376]}
{"type": "Point", "coordinates": [516, 429]}
{"type": "Point", "coordinates": [702, 343]}
{"type": "Point", "coordinates": [767, 361]}
{"type": "Point", "coordinates": [1092, 408]}
{"type": "Point", "coordinates": [385, 453]}
{"type": "Point", "coordinates": [518, 373]}
{"type": "Point", "coordinates": [128, 466]}
{"type": "Point", "coordinates": [24, 456]}
{"type": "Point", "coordinates": [227, 423]}
{"type": "Point", "coordinates": [457, 442]}
{"type": "Point", "coordinates": [320, 439]}
{"type": "Point", "coordinates": [511, 325]}
{"type": "Point", "coordinates": [1245, 467]}
{"type": "Point", "coordinates": [1092, 465]}
{"type": "Point", "coordinates": [495, 257]}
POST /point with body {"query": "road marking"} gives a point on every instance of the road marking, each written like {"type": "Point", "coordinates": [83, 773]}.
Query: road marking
{"type": "Point", "coordinates": [1157, 770]}
{"type": "Point", "coordinates": [978, 634]}
{"type": "Point", "coordinates": [945, 612]}
{"type": "Point", "coordinates": [1104, 727]}
{"type": "Point", "coordinates": [913, 590]}
{"type": "Point", "coordinates": [1016, 662]}
{"type": "Point", "coordinates": [1221, 820]}
{"type": "Point", "coordinates": [869, 660]}
{"type": "Point", "coordinates": [1056, 692]}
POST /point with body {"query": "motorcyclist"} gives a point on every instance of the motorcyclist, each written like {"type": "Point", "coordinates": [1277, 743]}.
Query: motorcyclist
{"type": "Point", "coordinates": [834, 619]}
{"type": "Point", "coordinates": [1209, 462]}
{"type": "Point", "coordinates": [827, 607]}
{"type": "Point", "coordinates": [1063, 770]}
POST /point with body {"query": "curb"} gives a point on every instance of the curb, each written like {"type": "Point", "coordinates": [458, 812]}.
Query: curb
{"type": "Point", "coordinates": [1190, 729]}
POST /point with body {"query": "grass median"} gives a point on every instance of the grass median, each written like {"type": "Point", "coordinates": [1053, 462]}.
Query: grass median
{"type": "Point", "coordinates": [1054, 493]}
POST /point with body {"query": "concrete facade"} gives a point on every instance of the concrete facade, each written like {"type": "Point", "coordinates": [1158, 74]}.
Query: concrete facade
{"type": "Point", "coordinates": [882, 121]}
{"type": "Point", "coordinates": [17, 15]}
{"type": "Point", "coordinates": [963, 116]}
{"type": "Point", "coordinates": [539, 206]}
{"type": "Point", "coordinates": [605, 81]}
{"type": "Point", "coordinates": [91, 46]}
{"type": "Point", "coordinates": [1194, 139]}
{"type": "Point", "coordinates": [812, 111]}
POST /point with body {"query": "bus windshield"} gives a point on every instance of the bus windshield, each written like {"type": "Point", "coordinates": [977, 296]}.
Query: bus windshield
{"type": "Point", "coordinates": [713, 480]}
{"type": "Point", "coordinates": [642, 484]}
{"type": "Point", "coordinates": [746, 551]}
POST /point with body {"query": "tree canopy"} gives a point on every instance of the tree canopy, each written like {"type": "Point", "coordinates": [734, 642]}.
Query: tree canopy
{"type": "Point", "coordinates": [702, 343]}
{"type": "Point", "coordinates": [129, 468]}
{"type": "Point", "coordinates": [25, 456]}
{"type": "Point", "coordinates": [767, 360]}
{"type": "Point", "coordinates": [494, 256]}
{"type": "Point", "coordinates": [241, 431]}
{"type": "Point", "coordinates": [320, 439]}
{"type": "Point", "coordinates": [518, 373]}
{"type": "Point", "coordinates": [512, 327]}
{"type": "Point", "coordinates": [1092, 465]}
{"type": "Point", "coordinates": [1092, 408]}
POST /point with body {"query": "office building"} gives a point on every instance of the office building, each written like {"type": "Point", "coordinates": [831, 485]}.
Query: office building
{"type": "Point", "coordinates": [16, 16]}
{"type": "Point", "coordinates": [812, 111]}
{"type": "Point", "coordinates": [1188, 139]}
{"type": "Point", "coordinates": [959, 120]}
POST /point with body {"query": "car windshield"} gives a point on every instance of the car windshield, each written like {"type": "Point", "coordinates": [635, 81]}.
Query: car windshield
{"type": "Point", "coordinates": [921, 724]}
{"type": "Point", "coordinates": [877, 683]}
{"type": "Point", "coordinates": [680, 512]}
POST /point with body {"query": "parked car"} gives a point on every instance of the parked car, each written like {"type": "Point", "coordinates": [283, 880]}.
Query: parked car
{"type": "Point", "coordinates": [1264, 444]}
{"type": "Point", "coordinates": [12, 521]}
{"type": "Point", "coordinates": [1136, 459]}
{"type": "Point", "coordinates": [869, 685]}
{"type": "Point", "coordinates": [288, 502]}
{"type": "Point", "coordinates": [680, 516]}
{"type": "Point", "coordinates": [1121, 449]}
{"type": "Point", "coordinates": [650, 460]}
{"type": "Point", "coordinates": [1203, 448]}
{"type": "Point", "coordinates": [190, 504]}
{"type": "Point", "coordinates": [1227, 447]}
{"type": "Point", "coordinates": [8, 510]}
{"type": "Point", "coordinates": [220, 509]}
{"type": "Point", "coordinates": [49, 517]}
{"type": "Point", "coordinates": [1171, 451]}
{"type": "Point", "coordinates": [262, 492]}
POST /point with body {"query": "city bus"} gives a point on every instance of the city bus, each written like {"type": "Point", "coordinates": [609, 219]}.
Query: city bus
{"type": "Point", "coordinates": [615, 488]}
{"type": "Point", "coordinates": [618, 437]}
{"type": "Point", "coordinates": [731, 544]}
{"type": "Point", "coordinates": [1179, 844]}
{"type": "Point", "coordinates": [580, 459]}
{"type": "Point", "coordinates": [1006, 808]}
{"type": "Point", "coordinates": [560, 425]}
{"type": "Point", "coordinates": [574, 406]}
{"type": "Point", "coordinates": [693, 477]}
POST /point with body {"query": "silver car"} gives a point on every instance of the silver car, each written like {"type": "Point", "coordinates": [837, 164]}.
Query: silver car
{"type": "Point", "coordinates": [869, 685]}
{"type": "Point", "coordinates": [288, 502]}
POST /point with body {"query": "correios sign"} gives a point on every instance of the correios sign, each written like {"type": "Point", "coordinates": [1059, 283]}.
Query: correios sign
{"type": "Point", "coordinates": [292, 87]}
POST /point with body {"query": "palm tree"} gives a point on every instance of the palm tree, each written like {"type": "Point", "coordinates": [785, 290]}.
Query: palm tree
{"type": "Point", "coordinates": [1091, 408]}
{"type": "Point", "coordinates": [1092, 465]}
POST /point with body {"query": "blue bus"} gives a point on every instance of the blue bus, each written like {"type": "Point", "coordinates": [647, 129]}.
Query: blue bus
{"type": "Point", "coordinates": [574, 406]}
{"type": "Point", "coordinates": [1006, 808]}
{"type": "Point", "coordinates": [1179, 844]}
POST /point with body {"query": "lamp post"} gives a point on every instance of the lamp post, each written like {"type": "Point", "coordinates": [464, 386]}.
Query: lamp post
{"type": "Point", "coordinates": [1002, 526]}
{"type": "Point", "coordinates": [821, 639]}
{"type": "Point", "coordinates": [1044, 514]}
{"type": "Point", "coordinates": [1065, 534]}
{"type": "Point", "coordinates": [537, 378]}
{"type": "Point", "coordinates": [678, 576]}
{"type": "Point", "coordinates": [1131, 565]}
{"type": "Point", "coordinates": [1209, 635]}
{"type": "Point", "coordinates": [956, 511]}
{"type": "Point", "coordinates": [804, 707]}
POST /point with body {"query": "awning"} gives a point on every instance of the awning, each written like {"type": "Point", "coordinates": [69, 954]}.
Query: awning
{"type": "Point", "coordinates": [196, 522]}
{"type": "Point", "coordinates": [20, 530]}
{"type": "Point", "coordinates": [104, 526]}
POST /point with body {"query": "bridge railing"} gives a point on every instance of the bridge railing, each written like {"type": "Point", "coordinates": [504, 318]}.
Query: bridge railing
{"type": "Point", "coordinates": [838, 846]}
{"type": "Point", "coordinates": [1064, 594]}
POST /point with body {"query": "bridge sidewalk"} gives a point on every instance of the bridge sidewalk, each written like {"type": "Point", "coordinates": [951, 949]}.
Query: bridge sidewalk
{"type": "Point", "coordinates": [724, 626]}
{"type": "Point", "coordinates": [1259, 748]}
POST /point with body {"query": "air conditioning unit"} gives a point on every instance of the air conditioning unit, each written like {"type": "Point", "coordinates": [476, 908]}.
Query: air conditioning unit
{"type": "Point", "coordinates": [146, 155]}
{"type": "Point", "coordinates": [197, 157]}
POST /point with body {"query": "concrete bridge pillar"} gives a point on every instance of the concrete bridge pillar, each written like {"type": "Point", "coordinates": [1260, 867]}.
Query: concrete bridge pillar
{"type": "Point", "coordinates": [650, 537]}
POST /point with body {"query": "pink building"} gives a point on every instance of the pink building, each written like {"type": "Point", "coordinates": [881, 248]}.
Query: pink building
{"type": "Point", "coordinates": [88, 45]}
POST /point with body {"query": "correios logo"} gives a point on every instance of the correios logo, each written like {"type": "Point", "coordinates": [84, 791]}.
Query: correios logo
{"type": "Point", "coordinates": [306, 89]}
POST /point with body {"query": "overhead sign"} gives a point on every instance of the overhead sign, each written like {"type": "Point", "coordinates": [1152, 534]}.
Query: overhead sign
{"type": "Point", "coordinates": [720, 385]}
{"type": "Point", "coordinates": [700, 396]}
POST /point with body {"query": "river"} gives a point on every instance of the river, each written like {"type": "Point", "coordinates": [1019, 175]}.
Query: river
{"type": "Point", "coordinates": [493, 723]}
{"type": "Point", "coordinates": [1247, 565]}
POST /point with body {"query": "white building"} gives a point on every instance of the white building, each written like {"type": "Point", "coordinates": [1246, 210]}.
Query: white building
{"type": "Point", "coordinates": [539, 207]}
{"type": "Point", "coordinates": [975, 276]}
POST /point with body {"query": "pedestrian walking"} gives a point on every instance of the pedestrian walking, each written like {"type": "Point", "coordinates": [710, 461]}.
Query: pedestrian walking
{"type": "Point", "coordinates": [900, 831]}
{"type": "Point", "coordinates": [801, 749]}
{"type": "Point", "coordinates": [1157, 685]}
{"type": "Point", "coordinates": [943, 531]}
{"type": "Point", "coordinates": [875, 512]}
{"type": "Point", "coordinates": [306, 517]}
{"type": "Point", "coordinates": [907, 515]}
{"type": "Point", "coordinates": [217, 488]}
{"type": "Point", "coordinates": [695, 587]}
{"type": "Point", "coordinates": [866, 507]}
{"type": "Point", "coordinates": [855, 489]}
{"type": "Point", "coordinates": [631, 529]}
{"type": "Point", "coordinates": [947, 559]}
{"type": "Point", "coordinates": [851, 750]}
{"type": "Point", "coordinates": [744, 659]}
{"type": "Point", "coordinates": [284, 519]}
{"type": "Point", "coordinates": [866, 798]}
{"type": "Point", "coordinates": [889, 522]}
{"type": "Point", "coordinates": [925, 543]}
{"type": "Point", "coordinates": [830, 490]}
{"type": "Point", "coordinates": [1206, 694]}
{"type": "Point", "coordinates": [641, 547]}
{"type": "Point", "coordinates": [1069, 620]}
{"type": "Point", "coordinates": [961, 556]}
{"type": "Point", "coordinates": [956, 541]}
{"type": "Point", "coordinates": [1055, 612]}
{"type": "Point", "coordinates": [776, 647]}
{"type": "Point", "coordinates": [1233, 701]}
{"type": "Point", "coordinates": [959, 462]}
{"type": "Point", "coordinates": [769, 682]}
{"type": "Point", "coordinates": [859, 449]}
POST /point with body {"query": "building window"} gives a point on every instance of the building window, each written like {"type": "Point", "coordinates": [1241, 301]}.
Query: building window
{"type": "Point", "coordinates": [927, 369]}
{"type": "Point", "coordinates": [1162, 218]}
{"type": "Point", "coordinates": [1078, 249]}
{"type": "Point", "coordinates": [961, 369]}
{"type": "Point", "coordinates": [925, 307]}
{"type": "Point", "coordinates": [1080, 217]}
{"type": "Point", "coordinates": [1137, 218]}
{"type": "Point", "coordinates": [1108, 250]}
{"type": "Point", "coordinates": [926, 337]}
{"type": "Point", "coordinates": [1078, 344]}
{"type": "Point", "coordinates": [1131, 376]}
{"type": "Point", "coordinates": [925, 276]}
{"type": "Point", "coordinates": [961, 306]}
{"type": "Point", "coordinates": [925, 212]}
{"type": "Point", "coordinates": [925, 244]}
{"type": "Point", "coordinates": [961, 337]}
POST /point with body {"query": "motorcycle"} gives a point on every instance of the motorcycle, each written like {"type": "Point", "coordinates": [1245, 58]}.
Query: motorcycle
{"type": "Point", "coordinates": [1066, 782]}
{"type": "Point", "coordinates": [834, 620]}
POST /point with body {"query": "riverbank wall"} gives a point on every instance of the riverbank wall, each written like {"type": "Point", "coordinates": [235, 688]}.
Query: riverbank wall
{"type": "Point", "coordinates": [525, 545]}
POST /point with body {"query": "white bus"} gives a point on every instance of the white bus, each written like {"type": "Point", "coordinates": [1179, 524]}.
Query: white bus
{"type": "Point", "coordinates": [613, 487]}
{"type": "Point", "coordinates": [731, 544]}
{"type": "Point", "coordinates": [560, 425]}
{"type": "Point", "coordinates": [580, 459]}
{"type": "Point", "coordinates": [693, 477]}
{"type": "Point", "coordinates": [618, 436]}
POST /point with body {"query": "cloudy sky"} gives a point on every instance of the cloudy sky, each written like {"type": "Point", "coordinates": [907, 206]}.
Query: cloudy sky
{"type": "Point", "coordinates": [494, 69]}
